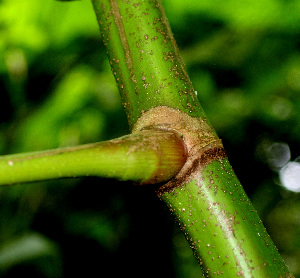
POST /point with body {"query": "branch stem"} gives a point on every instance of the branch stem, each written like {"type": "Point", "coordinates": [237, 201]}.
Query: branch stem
{"type": "Point", "coordinates": [149, 156]}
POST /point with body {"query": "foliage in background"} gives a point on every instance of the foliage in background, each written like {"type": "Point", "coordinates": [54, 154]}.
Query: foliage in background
{"type": "Point", "coordinates": [57, 90]}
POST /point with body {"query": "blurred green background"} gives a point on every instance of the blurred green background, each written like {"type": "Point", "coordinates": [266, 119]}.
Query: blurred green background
{"type": "Point", "coordinates": [56, 89]}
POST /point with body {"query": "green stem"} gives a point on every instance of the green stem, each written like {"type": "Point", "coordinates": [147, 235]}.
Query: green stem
{"type": "Point", "coordinates": [222, 227]}
{"type": "Point", "coordinates": [215, 214]}
{"type": "Point", "coordinates": [144, 57]}
{"type": "Point", "coordinates": [149, 156]}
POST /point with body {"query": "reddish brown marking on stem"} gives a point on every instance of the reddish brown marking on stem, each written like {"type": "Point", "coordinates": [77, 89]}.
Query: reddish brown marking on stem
{"type": "Point", "coordinates": [118, 20]}
{"type": "Point", "coordinates": [205, 157]}
{"type": "Point", "coordinates": [202, 143]}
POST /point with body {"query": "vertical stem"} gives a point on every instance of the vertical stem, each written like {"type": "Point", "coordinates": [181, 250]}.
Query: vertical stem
{"type": "Point", "coordinates": [206, 197]}
{"type": "Point", "coordinates": [144, 57]}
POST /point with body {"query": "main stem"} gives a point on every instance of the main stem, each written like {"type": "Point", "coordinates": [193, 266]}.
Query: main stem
{"type": "Point", "coordinates": [144, 58]}
{"type": "Point", "coordinates": [216, 216]}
